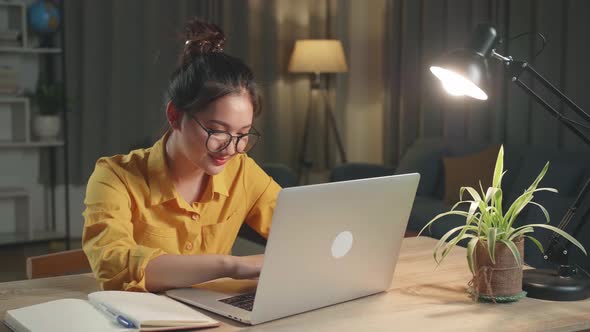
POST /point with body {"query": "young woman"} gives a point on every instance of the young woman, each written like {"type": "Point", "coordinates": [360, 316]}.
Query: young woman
{"type": "Point", "coordinates": [167, 216]}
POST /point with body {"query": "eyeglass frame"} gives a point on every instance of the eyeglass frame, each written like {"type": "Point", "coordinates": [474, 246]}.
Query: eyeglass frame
{"type": "Point", "coordinates": [237, 138]}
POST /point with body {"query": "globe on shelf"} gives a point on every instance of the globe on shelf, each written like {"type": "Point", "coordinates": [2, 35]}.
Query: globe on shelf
{"type": "Point", "coordinates": [44, 17]}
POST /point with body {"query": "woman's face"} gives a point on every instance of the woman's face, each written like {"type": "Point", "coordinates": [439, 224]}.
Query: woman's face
{"type": "Point", "coordinates": [233, 113]}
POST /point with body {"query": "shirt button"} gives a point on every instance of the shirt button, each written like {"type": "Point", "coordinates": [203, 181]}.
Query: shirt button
{"type": "Point", "coordinates": [194, 216]}
{"type": "Point", "coordinates": [188, 246]}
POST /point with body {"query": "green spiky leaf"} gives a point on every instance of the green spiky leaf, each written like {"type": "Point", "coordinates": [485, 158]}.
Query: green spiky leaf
{"type": "Point", "coordinates": [485, 218]}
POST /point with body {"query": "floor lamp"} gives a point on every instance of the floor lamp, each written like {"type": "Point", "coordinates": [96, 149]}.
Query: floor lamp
{"type": "Point", "coordinates": [318, 56]}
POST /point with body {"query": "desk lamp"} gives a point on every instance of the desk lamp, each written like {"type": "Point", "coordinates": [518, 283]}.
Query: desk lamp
{"type": "Point", "coordinates": [464, 72]}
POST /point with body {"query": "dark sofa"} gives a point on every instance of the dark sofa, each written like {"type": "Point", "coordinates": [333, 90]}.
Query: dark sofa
{"type": "Point", "coordinates": [567, 172]}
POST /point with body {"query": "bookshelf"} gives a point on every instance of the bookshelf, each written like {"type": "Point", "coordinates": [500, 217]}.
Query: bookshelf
{"type": "Point", "coordinates": [28, 201]}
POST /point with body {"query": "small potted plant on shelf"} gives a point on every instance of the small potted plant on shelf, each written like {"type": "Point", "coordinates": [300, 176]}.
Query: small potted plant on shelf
{"type": "Point", "coordinates": [49, 101]}
{"type": "Point", "coordinates": [495, 247]}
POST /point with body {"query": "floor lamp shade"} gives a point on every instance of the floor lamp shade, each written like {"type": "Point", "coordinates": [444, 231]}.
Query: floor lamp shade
{"type": "Point", "coordinates": [318, 56]}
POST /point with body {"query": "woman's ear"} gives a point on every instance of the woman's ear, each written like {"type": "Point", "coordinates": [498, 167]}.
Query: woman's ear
{"type": "Point", "coordinates": [173, 116]}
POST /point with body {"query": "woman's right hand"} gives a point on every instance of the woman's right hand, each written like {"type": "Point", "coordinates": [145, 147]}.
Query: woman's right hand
{"type": "Point", "coordinates": [246, 267]}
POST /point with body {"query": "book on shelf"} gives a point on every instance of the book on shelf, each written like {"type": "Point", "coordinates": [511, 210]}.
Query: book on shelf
{"type": "Point", "coordinates": [9, 80]}
{"type": "Point", "coordinates": [10, 91]}
{"type": "Point", "coordinates": [10, 38]}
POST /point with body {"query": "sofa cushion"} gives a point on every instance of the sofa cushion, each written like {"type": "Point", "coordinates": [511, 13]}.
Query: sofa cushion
{"type": "Point", "coordinates": [445, 224]}
{"type": "Point", "coordinates": [353, 171]}
{"type": "Point", "coordinates": [426, 208]}
{"type": "Point", "coordinates": [562, 175]}
{"type": "Point", "coordinates": [282, 174]}
{"type": "Point", "coordinates": [469, 171]}
{"type": "Point", "coordinates": [424, 157]}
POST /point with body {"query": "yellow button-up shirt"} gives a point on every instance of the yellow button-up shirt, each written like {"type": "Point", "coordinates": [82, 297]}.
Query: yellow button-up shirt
{"type": "Point", "coordinates": [134, 214]}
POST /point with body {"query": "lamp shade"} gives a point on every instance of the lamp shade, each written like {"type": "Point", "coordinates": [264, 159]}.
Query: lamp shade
{"type": "Point", "coordinates": [318, 56]}
{"type": "Point", "coordinates": [464, 72]}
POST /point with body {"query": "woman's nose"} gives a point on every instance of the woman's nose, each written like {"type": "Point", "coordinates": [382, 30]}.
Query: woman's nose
{"type": "Point", "coordinates": [231, 147]}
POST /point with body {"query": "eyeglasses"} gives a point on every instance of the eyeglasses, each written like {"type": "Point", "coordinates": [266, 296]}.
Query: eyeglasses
{"type": "Point", "coordinates": [219, 140]}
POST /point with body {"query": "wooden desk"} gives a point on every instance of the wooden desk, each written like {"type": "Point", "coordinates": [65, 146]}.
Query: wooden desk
{"type": "Point", "coordinates": [420, 299]}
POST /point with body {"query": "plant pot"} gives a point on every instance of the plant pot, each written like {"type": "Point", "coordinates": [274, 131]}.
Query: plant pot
{"type": "Point", "coordinates": [47, 127]}
{"type": "Point", "coordinates": [499, 282]}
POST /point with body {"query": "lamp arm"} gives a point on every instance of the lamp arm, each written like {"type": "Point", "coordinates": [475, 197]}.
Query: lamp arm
{"type": "Point", "coordinates": [556, 251]}
{"type": "Point", "coordinates": [516, 68]}
{"type": "Point", "coordinates": [561, 95]}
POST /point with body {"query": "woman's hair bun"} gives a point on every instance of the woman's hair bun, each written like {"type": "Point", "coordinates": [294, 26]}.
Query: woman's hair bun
{"type": "Point", "coordinates": [201, 38]}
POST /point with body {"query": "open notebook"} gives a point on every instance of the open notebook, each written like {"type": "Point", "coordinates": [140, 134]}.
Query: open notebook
{"type": "Point", "coordinates": [104, 311]}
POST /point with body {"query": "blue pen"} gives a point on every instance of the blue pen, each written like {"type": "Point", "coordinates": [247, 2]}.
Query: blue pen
{"type": "Point", "coordinates": [116, 317]}
{"type": "Point", "coordinates": [125, 322]}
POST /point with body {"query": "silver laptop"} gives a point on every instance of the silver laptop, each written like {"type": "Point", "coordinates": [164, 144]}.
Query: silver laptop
{"type": "Point", "coordinates": [328, 243]}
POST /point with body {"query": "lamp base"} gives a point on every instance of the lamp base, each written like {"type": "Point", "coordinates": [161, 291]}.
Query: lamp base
{"type": "Point", "coordinates": [547, 284]}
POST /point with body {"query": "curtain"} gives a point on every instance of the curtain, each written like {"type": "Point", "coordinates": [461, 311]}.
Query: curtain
{"type": "Point", "coordinates": [263, 33]}
{"type": "Point", "coordinates": [265, 36]}
{"type": "Point", "coordinates": [416, 32]}
{"type": "Point", "coordinates": [119, 55]}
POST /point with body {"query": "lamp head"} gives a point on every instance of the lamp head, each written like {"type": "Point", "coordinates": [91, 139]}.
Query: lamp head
{"type": "Point", "coordinates": [464, 72]}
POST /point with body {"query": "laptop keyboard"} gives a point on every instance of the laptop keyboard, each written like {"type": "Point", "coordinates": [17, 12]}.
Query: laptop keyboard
{"type": "Point", "coordinates": [244, 301]}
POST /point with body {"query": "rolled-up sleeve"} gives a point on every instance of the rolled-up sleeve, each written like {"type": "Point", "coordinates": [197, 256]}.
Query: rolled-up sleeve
{"type": "Point", "coordinates": [117, 261]}
{"type": "Point", "coordinates": [264, 192]}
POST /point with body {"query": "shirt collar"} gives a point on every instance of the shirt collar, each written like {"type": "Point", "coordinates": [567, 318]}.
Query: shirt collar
{"type": "Point", "coordinates": [219, 183]}
{"type": "Point", "coordinates": [161, 186]}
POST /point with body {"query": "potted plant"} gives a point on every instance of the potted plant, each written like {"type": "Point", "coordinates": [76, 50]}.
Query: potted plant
{"type": "Point", "coordinates": [495, 246]}
{"type": "Point", "coordinates": [49, 101]}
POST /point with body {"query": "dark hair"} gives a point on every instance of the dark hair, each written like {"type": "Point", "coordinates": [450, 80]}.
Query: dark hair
{"type": "Point", "coordinates": [205, 73]}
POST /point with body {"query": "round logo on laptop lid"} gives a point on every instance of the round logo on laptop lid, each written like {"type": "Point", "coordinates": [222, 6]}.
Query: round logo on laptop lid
{"type": "Point", "coordinates": [342, 244]}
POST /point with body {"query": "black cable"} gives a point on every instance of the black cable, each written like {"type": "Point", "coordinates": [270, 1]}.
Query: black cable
{"type": "Point", "coordinates": [544, 40]}
{"type": "Point", "coordinates": [575, 123]}
{"type": "Point", "coordinates": [538, 34]}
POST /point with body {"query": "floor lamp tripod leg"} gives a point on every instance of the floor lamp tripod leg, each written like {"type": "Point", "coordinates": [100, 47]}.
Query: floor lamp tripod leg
{"type": "Point", "coordinates": [335, 128]}
{"type": "Point", "coordinates": [327, 154]}
{"type": "Point", "coordinates": [304, 163]}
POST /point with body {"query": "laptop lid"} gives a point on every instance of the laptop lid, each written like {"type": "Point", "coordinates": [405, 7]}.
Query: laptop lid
{"type": "Point", "coordinates": [331, 243]}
